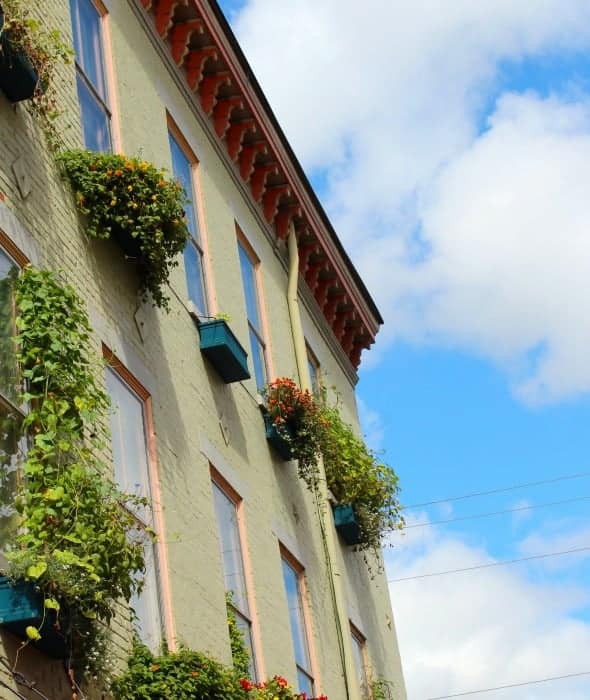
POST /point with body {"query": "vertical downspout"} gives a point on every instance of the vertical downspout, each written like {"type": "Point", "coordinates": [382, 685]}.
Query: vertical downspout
{"type": "Point", "coordinates": [323, 508]}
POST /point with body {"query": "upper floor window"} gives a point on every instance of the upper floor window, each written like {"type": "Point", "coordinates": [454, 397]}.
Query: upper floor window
{"type": "Point", "coordinates": [87, 27]}
{"type": "Point", "coordinates": [294, 589]}
{"type": "Point", "coordinates": [360, 662]}
{"type": "Point", "coordinates": [226, 510]}
{"type": "Point", "coordinates": [129, 431]}
{"type": "Point", "coordinates": [313, 367]}
{"type": "Point", "coordinates": [249, 267]}
{"type": "Point", "coordinates": [184, 164]}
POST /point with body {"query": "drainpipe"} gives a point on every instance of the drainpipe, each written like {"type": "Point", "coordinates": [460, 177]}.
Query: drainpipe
{"type": "Point", "coordinates": [323, 508]}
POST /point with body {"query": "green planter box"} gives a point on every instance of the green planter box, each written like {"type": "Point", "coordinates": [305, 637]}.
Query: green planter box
{"type": "Point", "coordinates": [346, 523]}
{"type": "Point", "coordinates": [20, 606]}
{"type": "Point", "coordinates": [223, 350]}
{"type": "Point", "coordinates": [18, 78]}
{"type": "Point", "coordinates": [276, 440]}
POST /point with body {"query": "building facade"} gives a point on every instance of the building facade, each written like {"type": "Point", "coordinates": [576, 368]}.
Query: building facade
{"type": "Point", "coordinates": [166, 81]}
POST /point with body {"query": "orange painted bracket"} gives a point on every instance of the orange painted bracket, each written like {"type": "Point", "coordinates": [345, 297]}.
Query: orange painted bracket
{"type": "Point", "coordinates": [195, 62]}
{"type": "Point", "coordinates": [208, 88]}
{"type": "Point", "coordinates": [258, 179]}
{"type": "Point", "coordinates": [180, 37]}
{"type": "Point", "coordinates": [270, 200]}
{"type": "Point", "coordinates": [164, 11]}
{"type": "Point", "coordinates": [284, 217]}
{"type": "Point", "coordinates": [235, 134]}
{"type": "Point", "coordinates": [222, 112]}
{"type": "Point", "coordinates": [248, 156]}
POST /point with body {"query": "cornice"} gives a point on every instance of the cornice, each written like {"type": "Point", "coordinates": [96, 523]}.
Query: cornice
{"type": "Point", "coordinates": [197, 38]}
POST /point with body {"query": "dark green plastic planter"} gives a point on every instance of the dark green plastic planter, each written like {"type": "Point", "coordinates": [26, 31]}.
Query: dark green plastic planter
{"type": "Point", "coordinates": [18, 78]}
{"type": "Point", "coordinates": [20, 606]}
{"type": "Point", "coordinates": [276, 440]}
{"type": "Point", "coordinates": [223, 350]}
{"type": "Point", "coordinates": [346, 524]}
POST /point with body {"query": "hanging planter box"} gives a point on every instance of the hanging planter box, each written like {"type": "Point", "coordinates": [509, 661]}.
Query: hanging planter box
{"type": "Point", "coordinates": [223, 350]}
{"type": "Point", "coordinates": [20, 606]}
{"type": "Point", "coordinates": [18, 78]}
{"type": "Point", "coordinates": [346, 523]}
{"type": "Point", "coordinates": [276, 440]}
{"type": "Point", "coordinates": [128, 244]}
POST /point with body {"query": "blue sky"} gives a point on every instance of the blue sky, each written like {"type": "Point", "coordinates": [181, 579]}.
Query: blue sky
{"type": "Point", "coordinates": [450, 145]}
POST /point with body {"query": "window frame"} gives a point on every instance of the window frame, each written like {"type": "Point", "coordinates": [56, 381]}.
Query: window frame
{"type": "Point", "coordinates": [161, 593]}
{"type": "Point", "coordinates": [105, 103]}
{"type": "Point", "coordinates": [299, 570]}
{"type": "Point", "coordinates": [199, 241]}
{"type": "Point", "coordinates": [313, 363]}
{"type": "Point", "coordinates": [217, 481]}
{"type": "Point", "coordinates": [261, 333]}
{"type": "Point", "coordinates": [359, 639]}
{"type": "Point", "coordinates": [20, 261]}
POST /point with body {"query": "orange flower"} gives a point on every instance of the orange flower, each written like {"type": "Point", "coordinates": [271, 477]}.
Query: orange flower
{"type": "Point", "coordinates": [118, 173]}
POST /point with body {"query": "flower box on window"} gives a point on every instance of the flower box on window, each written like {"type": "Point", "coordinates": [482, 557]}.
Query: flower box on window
{"type": "Point", "coordinates": [346, 523]}
{"type": "Point", "coordinates": [223, 350]}
{"type": "Point", "coordinates": [18, 78]}
{"type": "Point", "coordinates": [276, 440]}
{"type": "Point", "coordinates": [21, 606]}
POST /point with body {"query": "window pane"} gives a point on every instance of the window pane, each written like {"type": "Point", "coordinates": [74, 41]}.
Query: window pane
{"type": "Point", "coordinates": [148, 622]}
{"type": "Point", "coordinates": [182, 171]}
{"type": "Point", "coordinates": [86, 25]}
{"type": "Point", "coordinates": [8, 369]}
{"type": "Point", "coordinates": [95, 121]}
{"type": "Point", "coordinates": [298, 635]}
{"type": "Point", "coordinates": [129, 441]}
{"type": "Point", "coordinates": [9, 450]}
{"type": "Point", "coordinates": [246, 630]}
{"type": "Point", "coordinates": [231, 550]}
{"type": "Point", "coordinates": [359, 662]}
{"type": "Point", "coordinates": [305, 683]}
{"type": "Point", "coordinates": [257, 350]}
{"type": "Point", "coordinates": [195, 280]}
{"type": "Point", "coordinates": [250, 291]}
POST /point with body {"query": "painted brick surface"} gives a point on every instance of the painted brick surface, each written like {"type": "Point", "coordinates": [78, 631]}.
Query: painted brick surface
{"type": "Point", "coordinates": [198, 420]}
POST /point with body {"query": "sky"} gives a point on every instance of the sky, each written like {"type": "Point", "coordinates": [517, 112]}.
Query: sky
{"type": "Point", "coordinates": [450, 145]}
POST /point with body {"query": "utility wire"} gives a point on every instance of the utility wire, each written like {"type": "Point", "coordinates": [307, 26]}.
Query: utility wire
{"type": "Point", "coordinates": [580, 475]}
{"type": "Point", "coordinates": [496, 512]}
{"type": "Point", "coordinates": [489, 565]}
{"type": "Point", "coordinates": [511, 685]}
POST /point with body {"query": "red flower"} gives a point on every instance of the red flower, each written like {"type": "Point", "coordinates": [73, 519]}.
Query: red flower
{"type": "Point", "coordinates": [246, 685]}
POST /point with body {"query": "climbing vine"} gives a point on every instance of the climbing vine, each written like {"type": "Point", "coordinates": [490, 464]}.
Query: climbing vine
{"type": "Point", "coordinates": [78, 541]}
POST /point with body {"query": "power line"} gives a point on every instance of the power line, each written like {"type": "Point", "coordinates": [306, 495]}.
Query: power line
{"type": "Point", "coordinates": [512, 685]}
{"type": "Point", "coordinates": [501, 490]}
{"type": "Point", "coordinates": [489, 565]}
{"type": "Point", "coordinates": [497, 512]}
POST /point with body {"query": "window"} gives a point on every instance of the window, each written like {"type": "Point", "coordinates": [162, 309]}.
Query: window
{"type": "Point", "coordinates": [226, 510]}
{"type": "Point", "coordinates": [313, 367]}
{"type": "Point", "coordinates": [183, 169]}
{"type": "Point", "coordinates": [87, 27]}
{"type": "Point", "coordinates": [132, 471]}
{"type": "Point", "coordinates": [293, 579]}
{"type": "Point", "coordinates": [360, 662]}
{"type": "Point", "coordinates": [249, 267]}
{"type": "Point", "coordinates": [11, 444]}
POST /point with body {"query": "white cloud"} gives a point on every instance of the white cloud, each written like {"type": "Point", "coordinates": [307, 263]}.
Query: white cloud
{"type": "Point", "coordinates": [482, 629]}
{"type": "Point", "coordinates": [384, 99]}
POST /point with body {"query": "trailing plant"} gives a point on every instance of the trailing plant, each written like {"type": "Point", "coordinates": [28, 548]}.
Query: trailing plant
{"type": "Point", "coordinates": [182, 675]}
{"type": "Point", "coordinates": [78, 541]}
{"type": "Point", "coordinates": [297, 419]}
{"type": "Point", "coordinates": [381, 689]}
{"type": "Point", "coordinates": [46, 49]}
{"type": "Point", "coordinates": [357, 477]}
{"type": "Point", "coordinates": [133, 202]}
{"type": "Point", "coordinates": [239, 652]}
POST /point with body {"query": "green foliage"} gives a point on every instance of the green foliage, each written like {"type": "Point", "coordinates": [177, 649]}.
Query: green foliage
{"type": "Point", "coordinates": [132, 201]}
{"type": "Point", "coordinates": [239, 652]}
{"type": "Point", "coordinates": [298, 421]}
{"type": "Point", "coordinates": [183, 675]}
{"type": "Point", "coordinates": [382, 689]}
{"type": "Point", "coordinates": [78, 539]}
{"type": "Point", "coordinates": [356, 476]}
{"type": "Point", "coordinates": [45, 49]}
